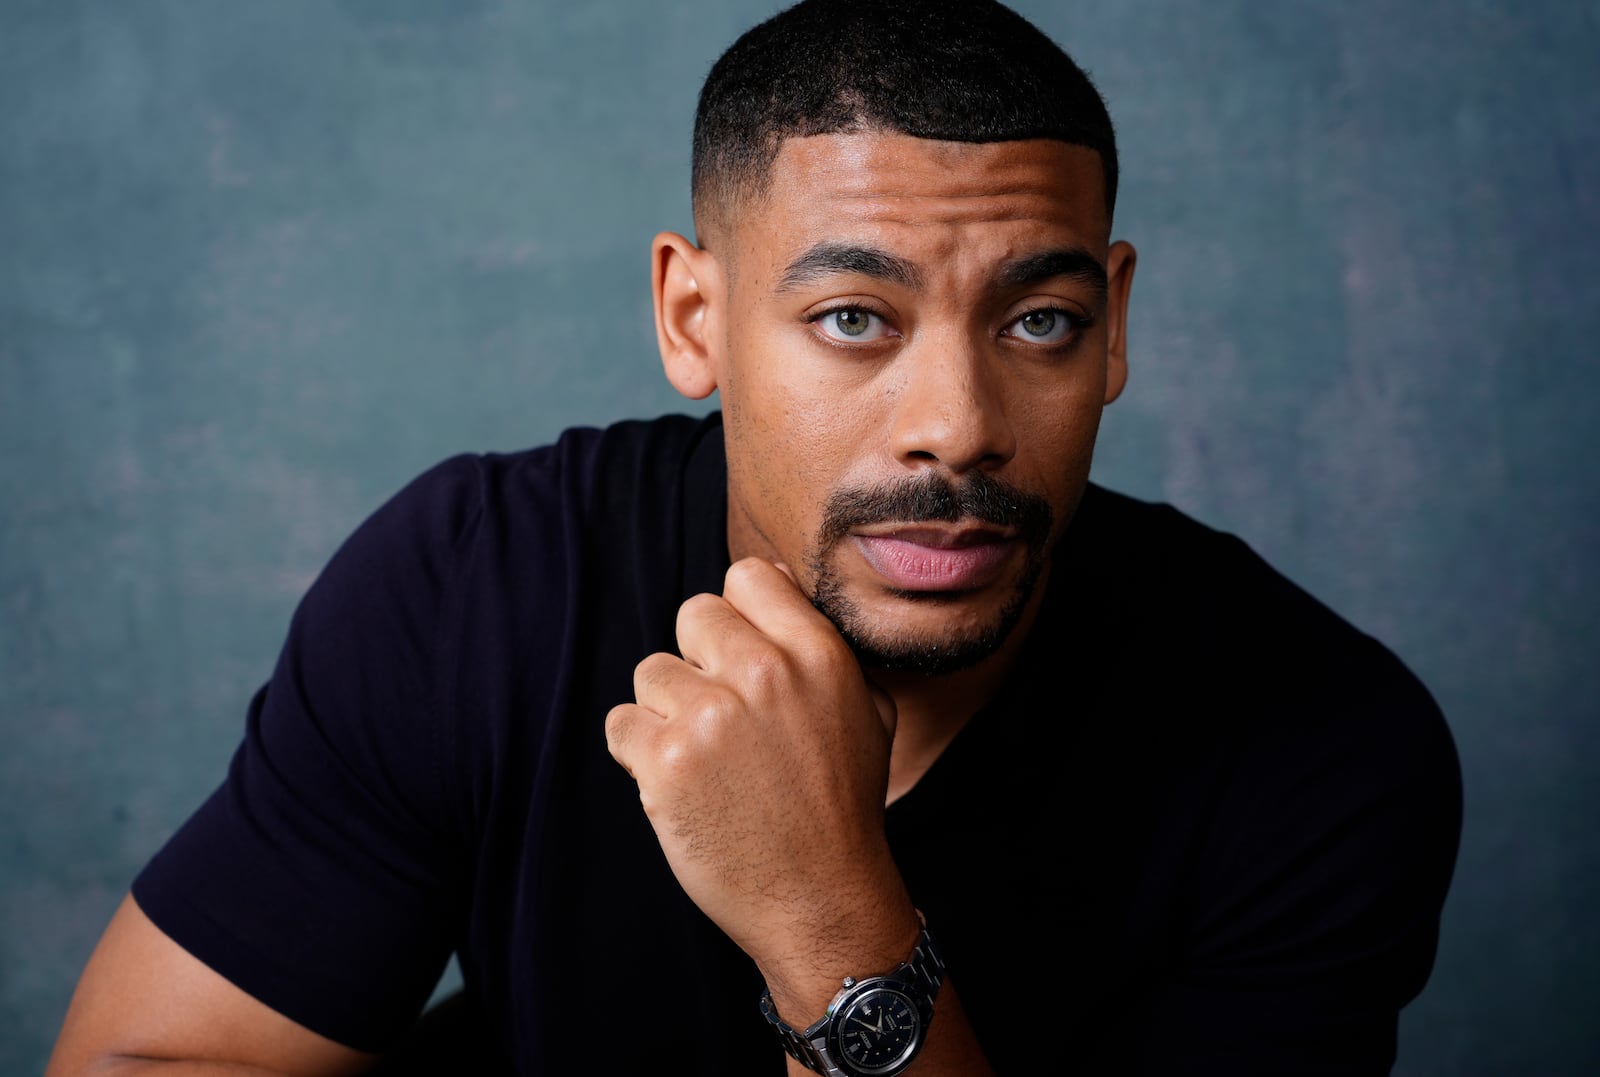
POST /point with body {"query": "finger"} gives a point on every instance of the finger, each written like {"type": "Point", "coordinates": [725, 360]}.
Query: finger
{"type": "Point", "coordinates": [712, 635]}
{"type": "Point", "coordinates": [628, 727]}
{"type": "Point", "coordinates": [662, 682]}
{"type": "Point", "coordinates": [769, 598]}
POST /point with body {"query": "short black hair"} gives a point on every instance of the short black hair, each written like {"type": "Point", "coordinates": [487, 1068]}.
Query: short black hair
{"type": "Point", "coordinates": [955, 70]}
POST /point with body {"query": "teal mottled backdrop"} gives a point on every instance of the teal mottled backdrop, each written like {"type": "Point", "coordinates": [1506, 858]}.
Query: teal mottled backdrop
{"type": "Point", "coordinates": [262, 262]}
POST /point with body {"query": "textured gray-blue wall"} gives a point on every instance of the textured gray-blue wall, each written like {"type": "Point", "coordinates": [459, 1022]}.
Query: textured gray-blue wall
{"type": "Point", "coordinates": [262, 262]}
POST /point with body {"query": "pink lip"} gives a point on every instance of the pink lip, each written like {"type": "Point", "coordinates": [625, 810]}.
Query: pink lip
{"type": "Point", "coordinates": [928, 559]}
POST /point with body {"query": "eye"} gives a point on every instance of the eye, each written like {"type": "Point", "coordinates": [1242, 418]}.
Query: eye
{"type": "Point", "coordinates": [851, 325]}
{"type": "Point", "coordinates": [1047, 325]}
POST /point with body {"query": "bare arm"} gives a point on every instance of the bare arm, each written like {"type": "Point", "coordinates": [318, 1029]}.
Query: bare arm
{"type": "Point", "coordinates": [146, 1006]}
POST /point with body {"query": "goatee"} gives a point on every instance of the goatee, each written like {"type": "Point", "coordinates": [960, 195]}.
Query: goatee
{"type": "Point", "coordinates": [929, 497]}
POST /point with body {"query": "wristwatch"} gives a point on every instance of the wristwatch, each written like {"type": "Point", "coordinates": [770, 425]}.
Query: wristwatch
{"type": "Point", "coordinates": [873, 1027]}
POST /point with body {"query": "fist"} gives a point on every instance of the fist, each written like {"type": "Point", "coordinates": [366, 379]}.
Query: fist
{"type": "Point", "coordinates": [762, 758]}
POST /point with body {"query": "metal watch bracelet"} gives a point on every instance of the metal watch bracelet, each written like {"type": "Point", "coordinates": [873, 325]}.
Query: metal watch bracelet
{"type": "Point", "coordinates": [922, 972]}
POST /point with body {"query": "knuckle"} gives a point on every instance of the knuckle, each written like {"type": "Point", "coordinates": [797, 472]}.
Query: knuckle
{"type": "Point", "coordinates": [768, 673]}
{"type": "Point", "coordinates": [698, 608]}
{"type": "Point", "coordinates": [745, 573]}
{"type": "Point", "coordinates": [619, 722]}
{"type": "Point", "coordinates": [701, 604]}
{"type": "Point", "coordinates": [651, 674]}
{"type": "Point", "coordinates": [828, 655]}
{"type": "Point", "coordinates": [716, 713]}
{"type": "Point", "coordinates": [688, 745]}
{"type": "Point", "coordinates": [671, 758]}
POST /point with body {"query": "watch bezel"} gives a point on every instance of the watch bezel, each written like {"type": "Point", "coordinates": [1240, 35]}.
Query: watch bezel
{"type": "Point", "coordinates": [853, 996]}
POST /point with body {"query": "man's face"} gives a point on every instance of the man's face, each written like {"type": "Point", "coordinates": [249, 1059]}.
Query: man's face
{"type": "Point", "coordinates": [915, 346]}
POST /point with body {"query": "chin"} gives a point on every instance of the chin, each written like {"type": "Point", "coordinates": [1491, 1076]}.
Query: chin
{"type": "Point", "coordinates": [884, 640]}
{"type": "Point", "coordinates": [928, 656]}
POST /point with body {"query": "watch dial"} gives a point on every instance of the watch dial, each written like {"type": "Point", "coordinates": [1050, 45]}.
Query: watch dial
{"type": "Point", "coordinates": [877, 1031]}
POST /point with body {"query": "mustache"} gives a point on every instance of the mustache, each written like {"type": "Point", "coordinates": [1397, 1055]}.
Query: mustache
{"type": "Point", "coordinates": [931, 497]}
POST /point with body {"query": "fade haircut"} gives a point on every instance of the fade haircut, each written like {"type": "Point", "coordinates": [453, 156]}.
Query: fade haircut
{"type": "Point", "coordinates": [955, 70]}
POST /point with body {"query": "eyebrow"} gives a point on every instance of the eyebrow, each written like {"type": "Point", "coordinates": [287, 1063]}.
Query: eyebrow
{"type": "Point", "coordinates": [1074, 263]}
{"type": "Point", "coordinates": [830, 259]}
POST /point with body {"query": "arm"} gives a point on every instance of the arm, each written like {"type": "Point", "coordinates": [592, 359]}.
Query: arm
{"type": "Point", "coordinates": [144, 1005]}
{"type": "Point", "coordinates": [312, 889]}
{"type": "Point", "coordinates": [762, 758]}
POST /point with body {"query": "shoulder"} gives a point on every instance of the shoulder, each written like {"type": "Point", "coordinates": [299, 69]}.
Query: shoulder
{"type": "Point", "coordinates": [1307, 775]}
{"type": "Point", "coordinates": [553, 493]}
{"type": "Point", "coordinates": [1306, 717]}
{"type": "Point", "coordinates": [482, 553]}
{"type": "Point", "coordinates": [1172, 578]}
{"type": "Point", "coordinates": [584, 468]}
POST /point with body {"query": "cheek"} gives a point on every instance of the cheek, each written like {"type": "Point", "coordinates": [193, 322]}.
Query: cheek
{"type": "Point", "coordinates": [1055, 436]}
{"type": "Point", "coordinates": [791, 443]}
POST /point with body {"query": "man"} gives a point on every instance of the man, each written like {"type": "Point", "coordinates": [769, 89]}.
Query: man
{"type": "Point", "coordinates": [1149, 807]}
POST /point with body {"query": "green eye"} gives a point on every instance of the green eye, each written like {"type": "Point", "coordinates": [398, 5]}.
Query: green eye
{"type": "Point", "coordinates": [852, 323]}
{"type": "Point", "coordinates": [1038, 323]}
{"type": "Point", "coordinates": [1046, 325]}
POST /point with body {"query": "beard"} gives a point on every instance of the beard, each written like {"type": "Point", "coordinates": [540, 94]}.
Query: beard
{"type": "Point", "coordinates": [927, 498]}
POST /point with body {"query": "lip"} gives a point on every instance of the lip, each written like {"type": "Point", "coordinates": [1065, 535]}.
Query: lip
{"type": "Point", "coordinates": [918, 557]}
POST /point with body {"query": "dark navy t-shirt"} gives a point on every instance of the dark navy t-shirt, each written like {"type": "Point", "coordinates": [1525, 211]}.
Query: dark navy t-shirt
{"type": "Point", "coordinates": [1206, 827]}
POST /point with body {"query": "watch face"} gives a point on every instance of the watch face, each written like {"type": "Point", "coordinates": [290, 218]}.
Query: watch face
{"type": "Point", "coordinates": [876, 1031]}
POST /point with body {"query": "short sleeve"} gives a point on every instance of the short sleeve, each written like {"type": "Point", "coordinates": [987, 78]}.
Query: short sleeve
{"type": "Point", "coordinates": [325, 876]}
{"type": "Point", "coordinates": [1314, 903]}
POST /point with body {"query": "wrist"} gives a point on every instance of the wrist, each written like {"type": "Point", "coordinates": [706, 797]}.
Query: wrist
{"type": "Point", "coordinates": [804, 973]}
{"type": "Point", "coordinates": [875, 1024]}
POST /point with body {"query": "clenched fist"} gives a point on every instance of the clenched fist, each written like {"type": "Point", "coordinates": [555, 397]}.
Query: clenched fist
{"type": "Point", "coordinates": [762, 757]}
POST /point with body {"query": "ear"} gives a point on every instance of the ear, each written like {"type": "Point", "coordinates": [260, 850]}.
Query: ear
{"type": "Point", "coordinates": [686, 282]}
{"type": "Point", "coordinates": [1120, 262]}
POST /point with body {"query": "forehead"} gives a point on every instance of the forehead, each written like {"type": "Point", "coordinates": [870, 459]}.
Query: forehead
{"type": "Point", "coordinates": [924, 195]}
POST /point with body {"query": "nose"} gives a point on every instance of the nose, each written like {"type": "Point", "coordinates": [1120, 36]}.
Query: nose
{"type": "Point", "coordinates": [951, 408]}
